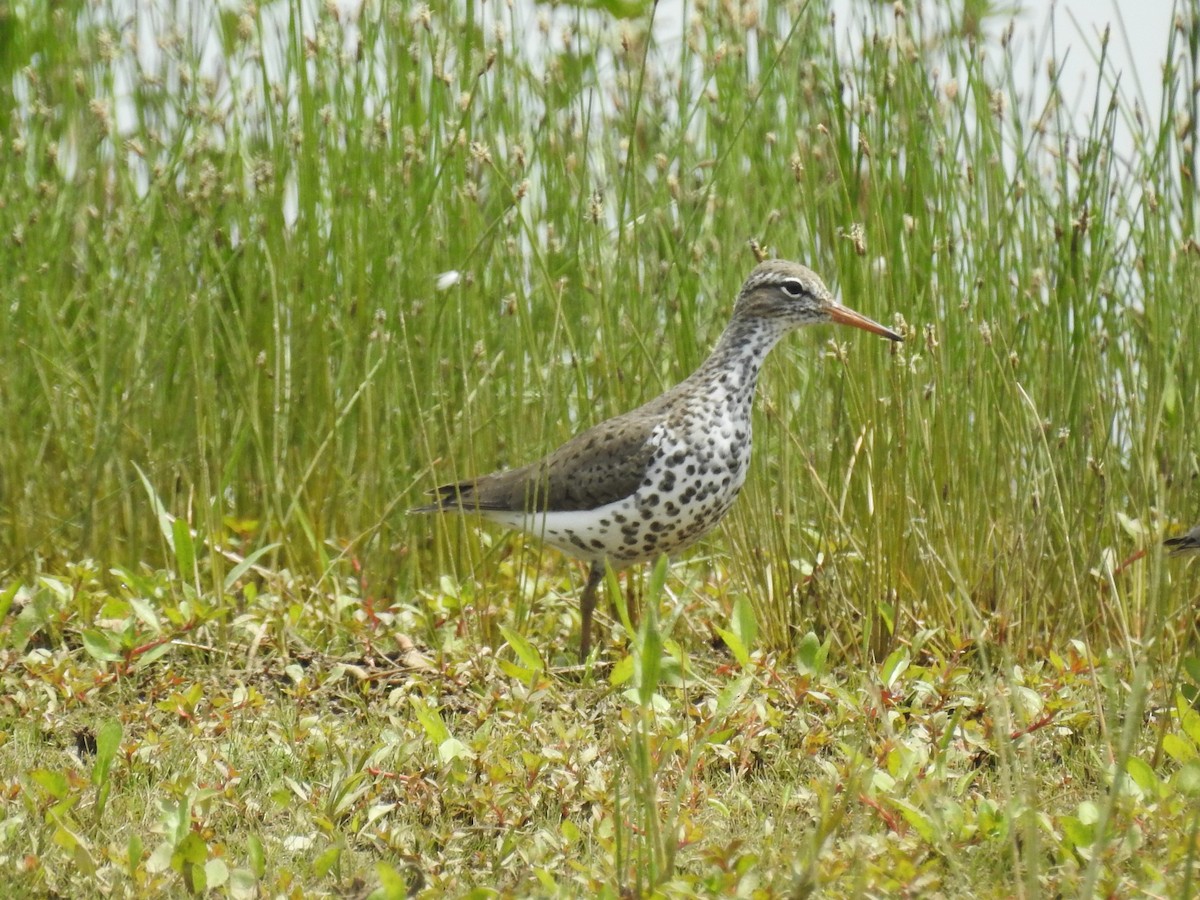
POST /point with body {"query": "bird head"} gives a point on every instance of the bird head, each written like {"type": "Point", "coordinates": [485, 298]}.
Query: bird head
{"type": "Point", "coordinates": [781, 290]}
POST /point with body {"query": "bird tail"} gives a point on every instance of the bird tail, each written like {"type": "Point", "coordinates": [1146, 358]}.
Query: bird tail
{"type": "Point", "coordinates": [446, 497]}
{"type": "Point", "coordinates": [1185, 543]}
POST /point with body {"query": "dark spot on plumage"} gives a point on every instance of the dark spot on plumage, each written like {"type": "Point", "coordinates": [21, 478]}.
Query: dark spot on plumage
{"type": "Point", "coordinates": [619, 518]}
{"type": "Point", "coordinates": [597, 544]}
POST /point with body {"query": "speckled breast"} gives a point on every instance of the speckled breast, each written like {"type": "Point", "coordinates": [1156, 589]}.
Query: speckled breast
{"type": "Point", "coordinates": [690, 483]}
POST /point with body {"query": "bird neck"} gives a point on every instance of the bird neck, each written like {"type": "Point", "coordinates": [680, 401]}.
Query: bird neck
{"type": "Point", "coordinates": [733, 366]}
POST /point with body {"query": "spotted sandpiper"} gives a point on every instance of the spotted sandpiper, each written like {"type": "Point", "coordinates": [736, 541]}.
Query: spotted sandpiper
{"type": "Point", "coordinates": [1185, 543]}
{"type": "Point", "coordinates": [655, 479]}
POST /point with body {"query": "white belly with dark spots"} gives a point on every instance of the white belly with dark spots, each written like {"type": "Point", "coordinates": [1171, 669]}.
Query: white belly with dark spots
{"type": "Point", "coordinates": [687, 489]}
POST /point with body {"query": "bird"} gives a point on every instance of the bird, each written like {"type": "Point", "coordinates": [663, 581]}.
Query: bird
{"type": "Point", "coordinates": [1184, 543]}
{"type": "Point", "coordinates": [653, 480]}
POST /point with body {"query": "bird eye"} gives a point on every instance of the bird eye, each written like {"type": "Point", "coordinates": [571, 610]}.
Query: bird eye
{"type": "Point", "coordinates": [792, 287]}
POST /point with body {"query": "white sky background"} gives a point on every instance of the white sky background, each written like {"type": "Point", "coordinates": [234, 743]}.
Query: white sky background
{"type": "Point", "coordinates": [1068, 30]}
{"type": "Point", "coordinates": [1140, 30]}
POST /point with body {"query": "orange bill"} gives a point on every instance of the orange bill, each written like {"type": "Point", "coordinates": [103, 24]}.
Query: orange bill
{"type": "Point", "coordinates": [843, 315]}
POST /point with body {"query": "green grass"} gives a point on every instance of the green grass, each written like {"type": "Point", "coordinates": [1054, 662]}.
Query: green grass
{"type": "Point", "coordinates": [913, 659]}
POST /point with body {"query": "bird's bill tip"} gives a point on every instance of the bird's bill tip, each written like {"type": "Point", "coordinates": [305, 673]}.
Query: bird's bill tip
{"type": "Point", "coordinates": [843, 315]}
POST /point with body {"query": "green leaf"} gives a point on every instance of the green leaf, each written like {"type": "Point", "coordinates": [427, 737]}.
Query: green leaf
{"type": "Point", "coordinates": [431, 722]}
{"type": "Point", "coordinates": [1089, 812]}
{"type": "Point", "coordinates": [191, 851]}
{"type": "Point", "coordinates": [887, 612]}
{"type": "Point", "coordinates": [146, 614]}
{"type": "Point", "coordinates": [102, 646]}
{"type": "Point", "coordinates": [160, 859]}
{"type": "Point", "coordinates": [108, 741]}
{"type": "Point", "coordinates": [243, 885]}
{"type": "Point", "coordinates": [6, 598]}
{"type": "Point", "coordinates": [392, 885]}
{"type": "Point", "coordinates": [1143, 776]}
{"type": "Point", "coordinates": [1189, 721]}
{"type": "Point", "coordinates": [152, 654]}
{"type": "Point", "coordinates": [216, 873]}
{"type": "Point", "coordinates": [103, 790]}
{"type": "Point", "coordinates": [76, 847]}
{"type": "Point", "coordinates": [658, 578]}
{"type": "Point", "coordinates": [185, 549]}
{"type": "Point", "coordinates": [649, 662]}
{"type": "Point", "coordinates": [160, 511]}
{"type": "Point", "coordinates": [30, 621]}
{"type": "Point", "coordinates": [1187, 780]}
{"type": "Point", "coordinates": [258, 858]}
{"type": "Point", "coordinates": [452, 749]}
{"type": "Point", "coordinates": [612, 586]}
{"type": "Point", "coordinates": [66, 839]}
{"type": "Point", "coordinates": [917, 818]}
{"type": "Point", "coordinates": [744, 625]}
{"type": "Point", "coordinates": [622, 672]}
{"type": "Point", "coordinates": [525, 651]}
{"type": "Point", "coordinates": [648, 647]}
{"type": "Point", "coordinates": [1079, 833]}
{"type": "Point", "coordinates": [736, 647]}
{"type": "Point", "coordinates": [516, 672]}
{"type": "Point", "coordinates": [177, 818]}
{"type": "Point", "coordinates": [991, 820]}
{"type": "Point", "coordinates": [133, 852]}
{"type": "Point", "coordinates": [811, 654]}
{"type": "Point", "coordinates": [53, 783]}
{"type": "Point", "coordinates": [326, 861]}
{"type": "Point", "coordinates": [1191, 665]}
{"type": "Point", "coordinates": [732, 693]}
{"type": "Point", "coordinates": [893, 667]}
{"type": "Point", "coordinates": [236, 573]}
{"type": "Point", "coordinates": [194, 877]}
{"type": "Point", "coordinates": [1179, 749]}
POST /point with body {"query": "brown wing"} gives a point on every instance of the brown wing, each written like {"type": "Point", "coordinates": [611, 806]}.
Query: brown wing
{"type": "Point", "coordinates": [602, 465]}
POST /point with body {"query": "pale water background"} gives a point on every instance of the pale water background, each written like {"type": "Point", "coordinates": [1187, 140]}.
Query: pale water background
{"type": "Point", "coordinates": [1068, 30]}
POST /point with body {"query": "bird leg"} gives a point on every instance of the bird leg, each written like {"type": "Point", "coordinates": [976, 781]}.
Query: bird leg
{"type": "Point", "coordinates": [587, 605]}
